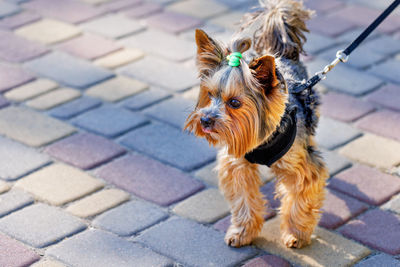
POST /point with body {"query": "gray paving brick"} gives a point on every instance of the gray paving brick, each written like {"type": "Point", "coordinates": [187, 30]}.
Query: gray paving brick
{"type": "Point", "coordinates": [13, 200]}
{"type": "Point", "coordinates": [46, 225]}
{"type": "Point", "coordinates": [146, 98]}
{"type": "Point", "coordinates": [393, 204]}
{"type": "Point", "coordinates": [334, 161]}
{"type": "Point", "coordinates": [19, 20]}
{"type": "Point", "coordinates": [379, 260]}
{"type": "Point", "coordinates": [73, 72]}
{"type": "Point", "coordinates": [98, 248]}
{"type": "Point", "coordinates": [13, 76]}
{"type": "Point", "coordinates": [193, 244]}
{"type": "Point", "coordinates": [316, 42]}
{"type": "Point", "coordinates": [8, 9]}
{"type": "Point", "coordinates": [130, 218]}
{"type": "Point", "coordinates": [384, 44]}
{"type": "Point", "coordinates": [170, 145]}
{"type": "Point", "coordinates": [75, 107]}
{"type": "Point", "coordinates": [387, 70]}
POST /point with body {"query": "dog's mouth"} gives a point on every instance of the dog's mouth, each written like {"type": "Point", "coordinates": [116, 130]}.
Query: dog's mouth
{"type": "Point", "coordinates": [207, 130]}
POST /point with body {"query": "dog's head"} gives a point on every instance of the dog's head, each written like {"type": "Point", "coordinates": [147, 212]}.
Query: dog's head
{"type": "Point", "coordinates": [238, 106]}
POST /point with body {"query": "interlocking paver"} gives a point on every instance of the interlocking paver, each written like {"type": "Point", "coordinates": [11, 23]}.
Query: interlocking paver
{"type": "Point", "coordinates": [373, 150]}
{"type": "Point", "coordinates": [48, 31]}
{"type": "Point", "coordinates": [130, 218]}
{"type": "Point", "coordinates": [18, 20]}
{"type": "Point", "coordinates": [89, 46]}
{"type": "Point", "coordinates": [94, 247]}
{"type": "Point", "coordinates": [28, 159]}
{"type": "Point", "coordinates": [113, 26]}
{"type": "Point", "coordinates": [3, 102]}
{"type": "Point", "coordinates": [268, 261]}
{"type": "Point", "coordinates": [149, 179]}
{"type": "Point", "coordinates": [387, 70]}
{"type": "Point", "coordinates": [16, 49]}
{"type": "Point", "coordinates": [75, 107]}
{"type": "Point", "coordinates": [366, 184]}
{"type": "Point", "coordinates": [15, 253]}
{"type": "Point", "coordinates": [13, 76]}
{"type": "Point", "coordinates": [8, 9]}
{"type": "Point", "coordinates": [329, 25]}
{"type": "Point", "coordinates": [316, 42]}
{"type": "Point", "coordinates": [73, 72]}
{"type": "Point", "coordinates": [203, 9]}
{"type": "Point", "coordinates": [173, 22]}
{"type": "Point", "coordinates": [384, 44]}
{"type": "Point", "coordinates": [388, 96]}
{"type": "Point", "coordinates": [84, 150]}
{"type": "Point", "coordinates": [326, 249]}
{"type": "Point", "coordinates": [117, 88]}
{"type": "Point", "coordinates": [171, 146]}
{"type": "Point", "coordinates": [66, 10]}
{"type": "Point", "coordinates": [384, 122]}
{"type": "Point", "coordinates": [146, 98]}
{"type": "Point", "coordinates": [118, 4]}
{"type": "Point", "coordinates": [321, 6]}
{"type": "Point", "coordinates": [53, 98]}
{"type": "Point", "coordinates": [109, 121]}
{"type": "Point", "coordinates": [98, 202]}
{"type": "Point", "coordinates": [228, 20]}
{"type": "Point", "coordinates": [332, 133]}
{"type": "Point", "coordinates": [143, 10]}
{"type": "Point", "coordinates": [4, 187]}
{"type": "Point", "coordinates": [13, 200]}
{"type": "Point", "coordinates": [48, 263]}
{"type": "Point", "coordinates": [30, 127]}
{"type": "Point", "coordinates": [205, 207]}
{"type": "Point", "coordinates": [393, 204]}
{"type": "Point", "coordinates": [119, 58]}
{"type": "Point", "coordinates": [30, 90]}
{"type": "Point", "coordinates": [58, 184]}
{"type": "Point", "coordinates": [376, 228]}
{"type": "Point", "coordinates": [334, 161]}
{"type": "Point", "coordinates": [339, 208]}
{"type": "Point", "coordinates": [379, 260]}
{"type": "Point", "coordinates": [208, 250]}
{"type": "Point", "coordinates": [46, 225]}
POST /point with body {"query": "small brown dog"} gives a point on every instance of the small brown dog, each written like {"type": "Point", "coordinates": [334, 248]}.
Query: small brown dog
{"type": "Point", "coordinates": [250, 111]}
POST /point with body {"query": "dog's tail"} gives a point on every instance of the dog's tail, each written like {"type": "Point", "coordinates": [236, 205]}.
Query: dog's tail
{"type": "Point", "coordinates": [280, 27]}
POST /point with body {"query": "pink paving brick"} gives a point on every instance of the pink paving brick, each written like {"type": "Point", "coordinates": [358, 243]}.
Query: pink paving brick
{"type": "Point", "coordinates": [14, 253]}
{"type": "Point", "coordinates": [329, 25]}
{"type": "Point", "coordinates": [117, 5]}
{"type": "Point", "coordinates": [149, 179]}
{"type": "Point", "coordinates": [344, 107]}
{"type": "Point", "coordinates": [16, 49]}
{"type": "Point", "coordinates": [384, 122]}
{"type": "Point", "coordinates": [11, 76]}
{"type": "Point", "coordinates": [84, 150]}
{"type": "Point", "coordinates": [377, 229]}
{"type": "Point", "coordinates": [66, 10]}
{"type": "Point", "coordinates": [19, 20]}
{"type": "Point", "coordinates": [267, 261]}
{"type": "Point", "coordinates": [388, 96]}
{"type": "Point", "coordinates": [321, 6]}
{"type": "Point", "coordinates": [366, 184]}
{"type": "Point", "coordinates": [339, 208]}
{"type": "Point", "coordinates": [89, 46]}
{"type": "Point", "coordinates": [143, 10]}
{"type": "Point", "coordinates": [173, 22]}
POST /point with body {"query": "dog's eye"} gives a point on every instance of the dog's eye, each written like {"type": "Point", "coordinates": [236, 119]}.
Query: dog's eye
{"type": "Point", "coordinates": [234, 103]}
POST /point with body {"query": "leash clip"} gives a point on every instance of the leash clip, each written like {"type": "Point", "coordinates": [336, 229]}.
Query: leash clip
{"type": "Point", "coordinates": [340, 57]}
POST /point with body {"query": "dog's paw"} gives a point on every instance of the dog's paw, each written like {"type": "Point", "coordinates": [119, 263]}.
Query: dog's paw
{"type": "Point", "coordinates": [291, 241]}
{"type": "Point", "coordinates": [237, 237]}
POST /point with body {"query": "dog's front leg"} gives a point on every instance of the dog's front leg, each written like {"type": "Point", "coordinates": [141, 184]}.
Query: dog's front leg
{"type": "Point", "coordinates": [239, 181]}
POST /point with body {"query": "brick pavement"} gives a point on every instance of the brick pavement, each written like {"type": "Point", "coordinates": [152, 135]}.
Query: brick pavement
{"type": "Point", "coordinates": [97, 172]}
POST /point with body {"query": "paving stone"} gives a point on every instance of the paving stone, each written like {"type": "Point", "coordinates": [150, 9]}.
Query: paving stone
{"type": "Point", "coordinates": [384, 122]}
{"type": "Point", "coordinates": [338, 209]}
{"type": "Point", "coordinates": [13, 76]}
{"type": "Point", "coordinates": [4, 187]}
{"type": "Point", "coordinates": [169, 75]}
{"type": "Point", "coordinates": [326, 249]}
{"type": "Point", "coordinates": [173, 22]}
{"type": "Point", "coordinates": [109, 121]}
{"type": "Point", "coordinates": [89, 46]}
{"type": "Point", "coordinates": [384, 44]}
{"type": "Point", "coordinates": [205, 207]}
{"type": "Point", "coordinates": [373, 150]}
{"type": "Point", "coordinates": [334, 161]}
{"type": "Point", "coordinates": [75, 107]}
{"type": "Point", "coordinates": [13, 200]}
{"type": "Point", "coordinates": [119, 4]}
{"type": "Point", "coordinates": [58, 184]}
{"type": "Point", "coordinates": [349, 36]}
{"type": "Point", "coordinates": [379, 260]}
{"type": "Point", "coordinates": [316, 42]}
{"type": "Point", "coordinates": [332, 133]}
{"type": "Point", "coordinates": [143, 10]}
{"type": "Point", "coordinates": [119, 58]}
{"type": "Point", "coordinates": [30, 90]}
{"type": "Point", "coordinates": [329, 26]}
{"type": "Point", "coordinates": [393, 204]}
{"type": "Point", "coordinates": [18, 20]}
{"type": "Point", "coordinates": [388, 96]}
{"type": "Point", "coordinates": [173, 111]}
{"type": "Point", "coordinates": [3, 102]}
{"type": "Point", "coordinates": [208, 250]}
{"type": "Point", "coordinates": [15, 253]}
{"type": "Point", "coordinates": [30, 127]}
{"type": "Point", "coordinates": [146, 98]}
{"type": "Point", "coordinates": [366, 184]}
{"type": "Point", "coordinates": [17, 49]}
{"type": "Point", "coordinates": [84, 150]}
{"type": "Point", "coordinates": [113, 26]}
{"type": "Point", "coordinates": [344, 107]}
{"type": "Point", "coordinates": [268, 190]}
{"type": "Point", "coordinates": [28, 159]}
{"type": "Point", "coordinates": [116, 89]}
{"type": "Point", "coordinates": [204, 9]}
{"type": "Point", "coordinates": [48, 263]}
{"type": "Point", "coordinates": [267, 261]}
{"type": "Point", "coordinates": [88, 249]}
{"type": "Point", "coordinates": [130, 218]}
{"type": "Point", "coordinates": [170, 145]}
{"type": "Point", "coordinates": [377, 229]}
{"type": "Point", "coordinates": [98, 202]}
{"type": "Point", "coordinates": [47, 225]}
{"type": "Point", "coordinates": [228, 20]}
{"type": "Point", "coordinates": [387, 70]}
{"type": "Point", "coordinates": [324, 5]}
{"type": "Point", "coordinates": [65, 10]}
{"type": "Point", "coordinates": [8, 9]}
{"type": "Point", "coordinates": [48, 31]}
{"type": "Point", "coordinates": [172, 47]}
{"type": "Point", "coordinates": [53, 98]}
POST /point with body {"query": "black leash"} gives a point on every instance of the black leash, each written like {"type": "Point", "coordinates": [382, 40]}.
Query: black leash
{"type": "Point", "coordinates": [343, 55]}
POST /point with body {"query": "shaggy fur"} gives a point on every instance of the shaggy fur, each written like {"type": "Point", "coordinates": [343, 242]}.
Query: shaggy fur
{"type": "Point", "coordinates": [239, 108]}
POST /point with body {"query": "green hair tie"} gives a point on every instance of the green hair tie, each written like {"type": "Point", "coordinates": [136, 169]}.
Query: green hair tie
{"type": "Point", "coordinates": [234, 59]}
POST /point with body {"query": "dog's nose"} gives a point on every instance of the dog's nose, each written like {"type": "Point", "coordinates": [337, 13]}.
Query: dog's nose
{"type": "Point", "coordinates": [207, 122]}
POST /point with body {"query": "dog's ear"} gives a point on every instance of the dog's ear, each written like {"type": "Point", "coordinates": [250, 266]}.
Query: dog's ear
{"type": "Point", "coordinates": [264, 71]}
{"type": "Point", "coordinates": [209, 53]}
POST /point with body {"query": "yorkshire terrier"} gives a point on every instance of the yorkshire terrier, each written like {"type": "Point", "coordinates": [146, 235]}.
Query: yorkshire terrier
{"type": "Point", "coordinates": [248, 107]}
